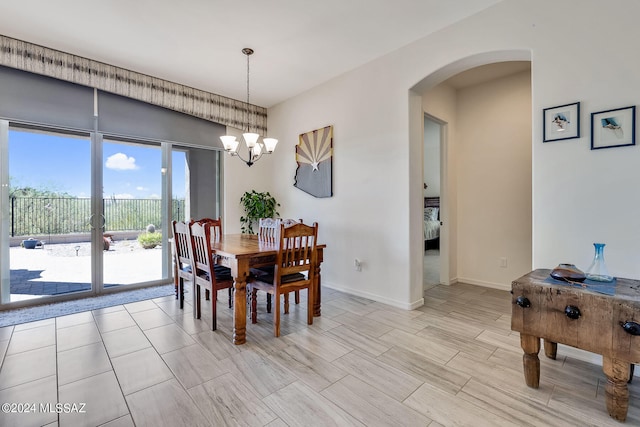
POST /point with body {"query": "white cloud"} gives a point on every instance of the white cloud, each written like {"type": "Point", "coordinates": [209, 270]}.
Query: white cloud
{"type": "Point", "coordinates": [154, 196]}
{"type": "Point", "coordinates": [123, 196]}
{"type": "Point", "coordinates": [141, 188]}
{"type": "Point", "coordinates": [121, 161]}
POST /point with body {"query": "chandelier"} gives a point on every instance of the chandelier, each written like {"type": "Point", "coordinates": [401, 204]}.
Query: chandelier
{"type": "Point", "coordinates": [255, 148]}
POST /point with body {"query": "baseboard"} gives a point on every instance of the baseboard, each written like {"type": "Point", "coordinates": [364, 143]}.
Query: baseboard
{"type": "Point", "coordinates": [500, 286]}
{"type": "Point", "coordinates": [394, 303]}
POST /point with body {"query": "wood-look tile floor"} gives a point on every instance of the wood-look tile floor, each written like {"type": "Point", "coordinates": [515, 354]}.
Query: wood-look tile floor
{"type": "Point", "coordinates": [453, 362]}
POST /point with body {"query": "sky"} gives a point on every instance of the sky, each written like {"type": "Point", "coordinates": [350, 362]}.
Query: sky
{"type": "Point", "coordinates": [63, 163]}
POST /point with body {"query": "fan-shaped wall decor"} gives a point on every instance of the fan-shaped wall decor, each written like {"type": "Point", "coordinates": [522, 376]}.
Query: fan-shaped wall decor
{"type": "Point", "coordinates": [314, 154]}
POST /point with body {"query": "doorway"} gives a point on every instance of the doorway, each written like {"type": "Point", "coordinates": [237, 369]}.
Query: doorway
{"type": "Point", "coordinates": [488, 110]}
{"type": "Point", "coordinates": [433, 139]}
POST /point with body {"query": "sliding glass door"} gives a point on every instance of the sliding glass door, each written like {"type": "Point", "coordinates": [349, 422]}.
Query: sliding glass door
{"type": "Point", "coordinates": [81, 214]}
{"type": "Point", "coordinates": [135, 216]}
{"type": "Point", "coordinates": [49, 201]}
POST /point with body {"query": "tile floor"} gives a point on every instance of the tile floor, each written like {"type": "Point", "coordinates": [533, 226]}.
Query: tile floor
{"type": "Point", "coordinates": [453, 362]}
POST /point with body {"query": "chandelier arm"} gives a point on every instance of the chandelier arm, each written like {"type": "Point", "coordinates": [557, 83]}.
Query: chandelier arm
{"type": "Point", "coordinates": [259, 155]}
{"type": "Point", "coordinates": [252, 158]}
{"type": "Point", "coordinates": [237, 154]}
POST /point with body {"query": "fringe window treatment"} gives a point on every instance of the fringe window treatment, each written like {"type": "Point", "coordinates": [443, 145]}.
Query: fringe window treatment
{"type": "Point", "coordinates": [60, 65]}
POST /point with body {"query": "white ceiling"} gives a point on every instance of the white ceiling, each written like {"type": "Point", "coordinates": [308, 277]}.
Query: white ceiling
{"type": "Point", "coordinates": [298, 43]}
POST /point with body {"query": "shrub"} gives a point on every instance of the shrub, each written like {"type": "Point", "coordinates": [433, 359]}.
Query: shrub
{"type": "Point", "coordinates": [150, 240]}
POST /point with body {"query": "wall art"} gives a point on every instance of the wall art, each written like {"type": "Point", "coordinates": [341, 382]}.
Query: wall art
{"type": "Point", "coordinates": [314, 154]}
{"type": "Point", "coordinates": [562, 122]}
{"type": "Point", "coordinates": [613, 128]}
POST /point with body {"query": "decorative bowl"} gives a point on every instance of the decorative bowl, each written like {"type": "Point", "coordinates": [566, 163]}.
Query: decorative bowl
{"type": "Point", "coordinates": [568, 273]}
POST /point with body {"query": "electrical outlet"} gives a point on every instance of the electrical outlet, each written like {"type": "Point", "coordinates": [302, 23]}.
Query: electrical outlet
{"type": "Point", "coordinates": [357, 264]}
{"type": "Point", "coordinates": [503, 262]}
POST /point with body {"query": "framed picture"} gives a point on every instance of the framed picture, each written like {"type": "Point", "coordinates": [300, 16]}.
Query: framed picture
{"type": "Point", "coordinates": [613, 128]}
{"type": "Point", "coordinates": [561, 122]}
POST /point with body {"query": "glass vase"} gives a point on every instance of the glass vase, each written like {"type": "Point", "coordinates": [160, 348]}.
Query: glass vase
{"type": "Point", "coordinates": [598, 270]}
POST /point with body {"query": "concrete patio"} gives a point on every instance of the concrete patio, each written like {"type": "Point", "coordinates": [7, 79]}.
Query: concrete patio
{"type": "Point", "coordinates": [60, 268]}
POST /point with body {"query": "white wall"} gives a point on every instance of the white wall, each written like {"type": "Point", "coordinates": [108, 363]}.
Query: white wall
{"type": "Point", "coordinates": [494, 180]}
{"type": "Point", "coordinates": [581, 51]}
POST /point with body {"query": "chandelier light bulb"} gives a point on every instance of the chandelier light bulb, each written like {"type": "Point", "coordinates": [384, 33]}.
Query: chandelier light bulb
{"type": "Point", "coordinates": [270, 144]}
{"type": "Point", "coordinates": [230, 143]}
{"type": "Point", "coordinates": [250, 139]}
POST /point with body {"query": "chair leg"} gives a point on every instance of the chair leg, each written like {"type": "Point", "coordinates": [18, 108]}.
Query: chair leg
{"type": "Point", "coordinates": [254, 306]}
{"type": "Point", "coordinates": [180, 292]}
{"type": "Point", "coordinates": [214, 305]}
{"type": "Point", "coordinates": [196, 301]}
{"type": "Point", "coordinates": [297, 297]}
{"type": "Point", "coordinates": [286, 303]}
{"type": "Point", "coordinates": [310, 297]}
{"type": "Point", "coordinates": [231, 297]}
{"type": "Point", "coordinates": [268, 303]}
{"type": "Point", "coordinates": [276, 315]}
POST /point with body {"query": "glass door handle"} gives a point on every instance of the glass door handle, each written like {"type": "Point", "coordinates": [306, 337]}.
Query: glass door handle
{"type": "Point", "coordinates": [104, 221]}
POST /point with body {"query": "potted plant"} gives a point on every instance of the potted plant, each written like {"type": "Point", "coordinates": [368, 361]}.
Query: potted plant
{"type": "Point", "coordinates": [30, 243]}
{"type": "Point", "coordinates": [257, 205]}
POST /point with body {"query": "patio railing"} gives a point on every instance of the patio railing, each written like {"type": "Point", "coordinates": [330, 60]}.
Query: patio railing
{"type": "Point", "coordinates": [64, 215]}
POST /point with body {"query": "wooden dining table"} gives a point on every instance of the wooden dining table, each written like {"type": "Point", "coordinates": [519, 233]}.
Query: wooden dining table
{"type": "Point", "coordinates": [241, 252]}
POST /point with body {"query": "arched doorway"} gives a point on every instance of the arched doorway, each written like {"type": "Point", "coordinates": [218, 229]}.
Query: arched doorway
{"type": "Point", "coordinates": [451, 216]}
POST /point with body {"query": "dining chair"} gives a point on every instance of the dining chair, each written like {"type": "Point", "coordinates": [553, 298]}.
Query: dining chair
{"type": "Point", "coordinates": [216, 234]}
{"type": "Point", "coordinates": [268, 231]}
{"type": "Point", "coordinates": [181, 258]}
{"type": "Point", "coordinates": [294, 270]}
{"type": "Point", "coordinates": [205, 276]}
{"type": "Point", "coordinates": [216, 227]}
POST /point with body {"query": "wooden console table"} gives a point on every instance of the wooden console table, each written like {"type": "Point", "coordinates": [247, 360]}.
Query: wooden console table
{"type": "Point", "coordinates": [577, 316]}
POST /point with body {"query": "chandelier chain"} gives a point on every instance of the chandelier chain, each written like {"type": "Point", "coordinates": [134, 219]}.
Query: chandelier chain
{"type": "Point", "coordinates": [248, 52]}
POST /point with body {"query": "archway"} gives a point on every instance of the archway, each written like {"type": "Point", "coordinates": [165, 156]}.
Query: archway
{"type": "Point", "coordinates": [416, 115]}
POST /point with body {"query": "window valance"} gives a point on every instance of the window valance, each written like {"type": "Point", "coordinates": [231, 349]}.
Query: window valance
{"type": "Point", "coordinates": [72, 68]}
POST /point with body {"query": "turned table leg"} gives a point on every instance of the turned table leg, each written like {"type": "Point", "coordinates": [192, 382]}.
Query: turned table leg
{"type": "Point", "coordinates": [550, 349]}
{"type": "Point", "coordinates": [239, 311]}
{"type": "Point", "coordinates": [317, 290]}
{"type": "Point", "coordinates": [530, 361]}
{"type": "Point", "coordinates": [616, 391]}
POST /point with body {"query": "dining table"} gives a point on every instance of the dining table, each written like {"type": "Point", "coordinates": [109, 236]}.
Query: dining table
{"type": "Point", "coordinates": [241, 252]}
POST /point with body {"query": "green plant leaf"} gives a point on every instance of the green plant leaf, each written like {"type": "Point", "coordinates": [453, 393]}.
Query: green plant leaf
{"type": "Point", "coordinates": [257, 205]}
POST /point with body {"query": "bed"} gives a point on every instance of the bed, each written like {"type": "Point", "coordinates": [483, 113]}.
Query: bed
{"type": "Point", "coordinates": [431, 227]}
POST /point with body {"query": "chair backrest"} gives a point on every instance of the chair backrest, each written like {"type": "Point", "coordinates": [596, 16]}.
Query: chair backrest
{"type": "Point", "coordinates": [268, 229]}
{"type": "Point", "coordinates": [290, 221]}
{"type": "Point", "coordinates": [296, 251]}
{"type": "Point", "coordinates": [181, 243]}
{"type": "Point", "coordinates": [200, 250]}
{"type": "Point", "coordinates": [216, 227]}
